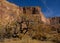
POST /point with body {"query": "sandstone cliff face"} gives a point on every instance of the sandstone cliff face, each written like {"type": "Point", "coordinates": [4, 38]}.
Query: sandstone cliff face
{"type": "Point", "coordinates": [34, 11]}
{"type": "Point", "coordinates": [54, 20]}
{"type": "Point", "coordinates": [8, 12]}
{"type": "Point", "coordinates": [28, 18]}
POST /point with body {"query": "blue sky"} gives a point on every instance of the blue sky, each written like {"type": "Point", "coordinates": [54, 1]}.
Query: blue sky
{"type": "Point", "coordinates": [50, 8]}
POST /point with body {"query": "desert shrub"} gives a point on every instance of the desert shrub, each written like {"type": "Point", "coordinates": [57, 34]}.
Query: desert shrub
{"type": "Point", "coordinates": [2, 33]}
{"type": "Point", "coordinates": [39, 37]}
{"type": "Point", "coordinates": [37, 32]}
{"type": "Point", "coordinates": [58, 30]}
{"type": "Point", "coordinates": [57, 41]}
{"type": "Point", "coordinates": [10, 29]}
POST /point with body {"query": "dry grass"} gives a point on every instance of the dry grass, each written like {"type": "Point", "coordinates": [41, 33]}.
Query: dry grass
{"type": "Point", "coordinates": [25, 39]}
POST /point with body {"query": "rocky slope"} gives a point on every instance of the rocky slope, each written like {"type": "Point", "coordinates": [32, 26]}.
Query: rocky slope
{"type": "Point", "coordinates": [54, 20]}
{"type": "Point", "coordinates": [8, 12]}
{"type": "Point", "coordinates": [18, 21]}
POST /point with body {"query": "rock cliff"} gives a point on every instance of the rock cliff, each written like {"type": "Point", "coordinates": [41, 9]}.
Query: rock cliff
{"type": "Point", "coordinates": [10, 12]}
{"type": "Point", "coordinates": [16, 21]}
{"type": "Point", "coordinates": [54, 20]}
